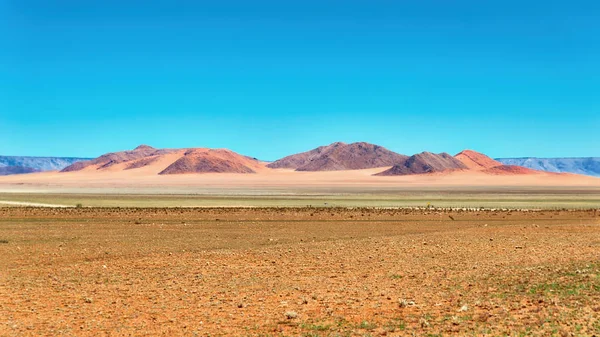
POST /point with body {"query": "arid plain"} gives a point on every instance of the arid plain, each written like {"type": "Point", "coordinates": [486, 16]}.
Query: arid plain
{"type": "Point", "coordinates": [299, 272]}
{"type": "Point", "coordinates": [123, 246]}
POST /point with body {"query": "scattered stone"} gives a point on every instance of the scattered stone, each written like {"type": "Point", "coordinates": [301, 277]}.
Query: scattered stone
{"type": "Point", "coordinates": [291, 315]}
{"type": "Point", "coordinates": [403, 303]}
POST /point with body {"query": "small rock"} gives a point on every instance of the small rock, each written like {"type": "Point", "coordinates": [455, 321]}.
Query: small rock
{"type": "Point", "coordinates": [291, 315]}
{"type": "Point", "coordinates": [403, 303]}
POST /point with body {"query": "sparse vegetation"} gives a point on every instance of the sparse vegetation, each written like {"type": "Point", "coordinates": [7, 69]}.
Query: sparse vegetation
{"type": "Point", "coordinates": [367, 326]}
{"type": "Point", "coordinates": [395, 325]}
{"type": "Point", "coordinates": [316, 327]}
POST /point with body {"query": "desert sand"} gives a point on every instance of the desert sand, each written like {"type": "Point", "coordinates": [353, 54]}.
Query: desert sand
{"type": "Point", "coordinates": [148, 176]}
{"type": "Point", "coordinates": [298, 272]}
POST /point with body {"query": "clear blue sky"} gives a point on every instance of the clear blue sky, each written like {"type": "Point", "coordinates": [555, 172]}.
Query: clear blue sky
{"type": "Point", "coordinates": [270, 78]}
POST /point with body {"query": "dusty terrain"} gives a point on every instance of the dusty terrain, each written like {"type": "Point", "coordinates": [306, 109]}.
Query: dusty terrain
{"type": "Point", "coordinates": [298, 272]}
{"type": "Point", "coordinates": [285, 179]}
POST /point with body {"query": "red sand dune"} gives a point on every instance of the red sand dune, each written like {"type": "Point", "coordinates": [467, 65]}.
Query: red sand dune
{"type": "Point", "coordinates": [340, 156]}
{"type": "Point", "coordinates": [142, 162]}
{"type": "Point", "coordinates": [476, 161]}
{"type": "Point", "coordinates": [510, 170]}
{"type": "Point", "coordinates": [480, 162]}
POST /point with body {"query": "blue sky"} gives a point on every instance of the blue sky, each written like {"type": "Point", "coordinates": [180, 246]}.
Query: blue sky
{"type": "Point", "coordinates": [271, 78]}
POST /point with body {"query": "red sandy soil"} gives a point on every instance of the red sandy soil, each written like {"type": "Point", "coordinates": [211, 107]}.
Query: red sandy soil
{"type": "Point", "coordinates": [142, 162]}
{"type": "Point", "coordinates": [340, 156]}
{"type": "Point", "coordinates": [425, 162]}
{"type": "Point", "coordinates": [281, 180]}
{"type": "Point", "coordinates": [476, 161]}
{"type": "Point", "coordinates": [298, 272]}
{"type": "Point", "coordinates": [510, 170]}
{"type": "Point", "coordinates": [480, 162]}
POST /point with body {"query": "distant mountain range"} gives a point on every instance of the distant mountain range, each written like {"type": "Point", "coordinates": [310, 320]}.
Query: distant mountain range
{"type": "Point", "coordinates": [18, 164]}
{"type": "Point", "coordinates": [333, 157]}
{"type": "Point", "coordinates": [588, 166]}
{"type": "Point", "coordinates": [7, 170]}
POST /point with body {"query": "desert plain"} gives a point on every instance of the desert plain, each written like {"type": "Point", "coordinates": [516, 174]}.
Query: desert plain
{"type": "Point", "coordinates": [311, 258]}
{"type": "Point", "coordinates": [111, 251]}
{"type": "Point", "coordinates": [299, 271]}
